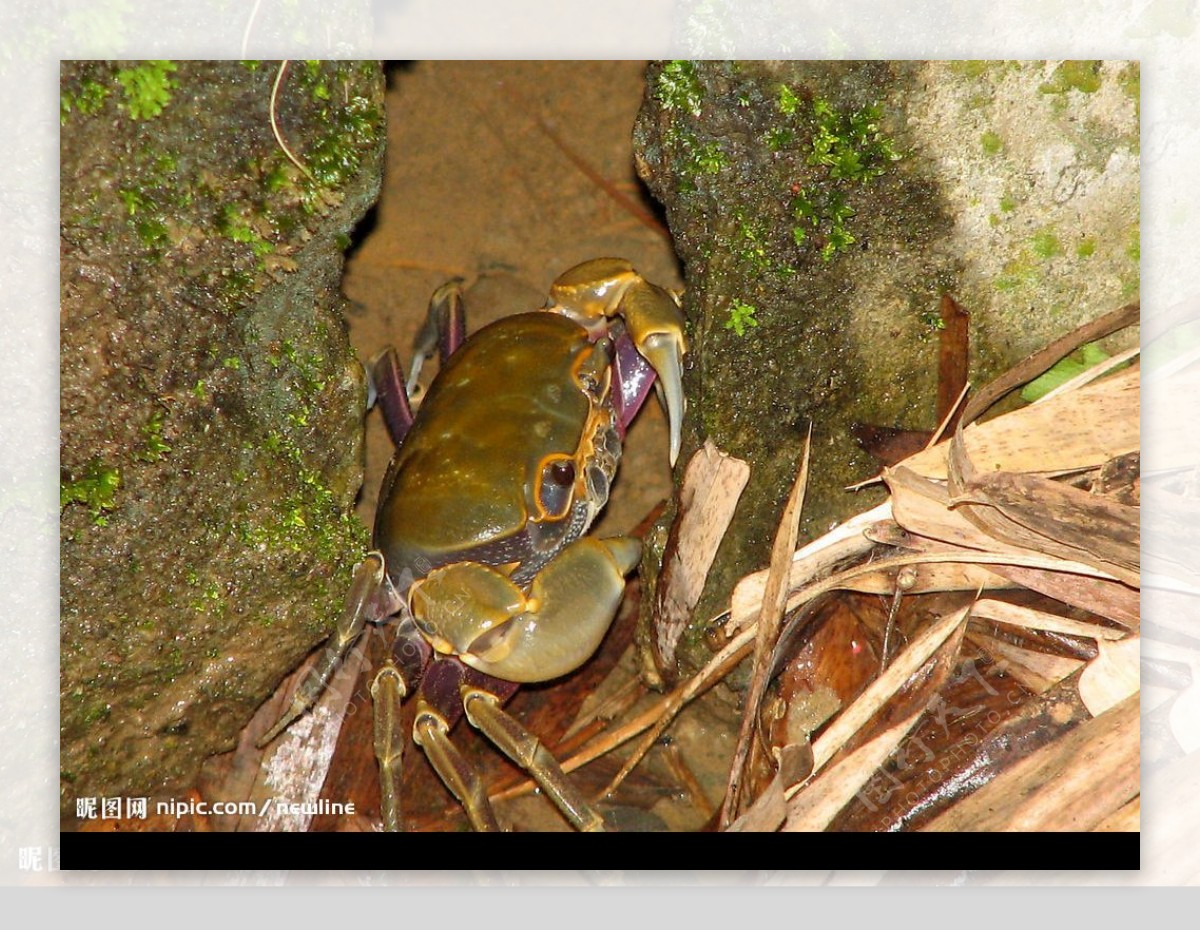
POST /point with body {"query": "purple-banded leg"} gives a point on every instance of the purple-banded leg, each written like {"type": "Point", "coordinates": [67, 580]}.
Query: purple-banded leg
{"type": "Point", "coordinates": [388, 390]}
{"type": "Point", "coordinates": [592, 292]}
{"type": "Point", "coordinates": [444, 329]}
{"type": "Point", "coordinates": [371, 598]}
{"type": "Point", "coordinates": [439, 707]}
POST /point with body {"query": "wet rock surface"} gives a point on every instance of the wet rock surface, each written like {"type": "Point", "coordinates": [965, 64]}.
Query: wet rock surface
{"type": "Point", "coordinates": [821, 209]}
{"type": "Point", "coordinates": [211, 406]}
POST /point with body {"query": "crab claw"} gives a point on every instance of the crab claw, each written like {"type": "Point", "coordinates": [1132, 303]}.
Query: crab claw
{"type": "Point", "coordinates": [605, 287]}
{"type": "Point", "coordinates": [473, 611]}
{"type": "Point", "coordinates": [656, 328]}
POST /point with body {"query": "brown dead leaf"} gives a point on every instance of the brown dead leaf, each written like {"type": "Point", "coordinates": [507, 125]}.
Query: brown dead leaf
{"type": "Point", "coordinates": [1073, 783]}
{"type": "Point", "coordinates": [1046, 516]}
{"type": "Point", "coordinates": [712, 485]}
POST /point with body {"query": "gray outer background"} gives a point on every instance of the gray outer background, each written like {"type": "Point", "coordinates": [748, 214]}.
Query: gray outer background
{"type": "Point", "coordinates": [1161, 33]}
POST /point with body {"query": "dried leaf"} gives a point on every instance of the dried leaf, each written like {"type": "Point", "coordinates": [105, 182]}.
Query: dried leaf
{"type": "Point", "coordinates": [1107, 598]}
{"type": "Point", "coordinates": [816, 806]}
{"type": "Point", "coordinates": [1074, 783]}
{"type": "Point", "coordinates": [1082, 429]}
{"type": "Point", "coordinates": [817, 559]}
{"type": "Point", "coordinates": [712, 484]}
{"type": "Point", "coordinates": [1046, 516]}
{"type": "Point", "coordinates": [1027, 617]}
{"type": "Point", "coordinates": [1112, 676]}
{"type": "Point", "coordinates": [770, 616]}
{"type": "Point", "coordinates": [1037, 671]}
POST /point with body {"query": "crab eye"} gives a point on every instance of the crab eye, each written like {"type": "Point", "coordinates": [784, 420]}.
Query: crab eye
{"type": "Point", "coordinates": [556, 487]}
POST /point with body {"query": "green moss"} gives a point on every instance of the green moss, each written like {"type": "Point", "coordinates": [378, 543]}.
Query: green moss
{"type": "Point", "coordinates": [708, 158]}
{"type": "Point", "coordinates": [87, 100]}
{"type": "Point", "coordinates": [96, 488]}
{"type": "Point", "coordinates": [152, 432]}
{"type": "Point", "coordinates": [741, 316]}
{"type": "Point", "coordinates": [992, 143]}
{"type": "Point", "coordinates": [788, 102]}
{"type": "Point", "coordinates": [971, 68]}
{"type": "Point", "coordinates": [1067, 368]}
{"type": "Point", "coordinates": [353, 127]}
{"type": "Point", "coordinates": [1008, 203]}
{"type": "Point", "coordinates": [851, 146]}
{"type": "Point", "coordinates": [96, 713]}
{"type": "Point", "coordinates": [1045, 244]}
{"type": "Point", "coordinates": [232, 223]}
{"type": "Point", "coordinates": [1086, 248]}
{"type": "Point", "coordinates": [1134, 249]}
{"type": "Point", "coordinates": [1018, 273]}
{"type": "Point", "coordinates": [147, 88]}
{"type": "Point", "coordinates": [678, 87]}
{"type": "Point", "coordinates": [1130, 82]}
{"type": "Point", "coordinates": [779, 137]}
{"type": "Point", "coordinates": [1083, 76]}
{"type": "Point", "coordinates": [854, 150]}
{"type": "Point", "coordinates": [750, 243]}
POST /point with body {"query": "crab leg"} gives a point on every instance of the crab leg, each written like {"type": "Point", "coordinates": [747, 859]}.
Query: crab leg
{"type": "Point", "coordinates": [431, 733]}
{"type": "Point", "coordinates": [387, 692]}
{"type": "Point", "coordinates": [526, 750]}
{"type": "Point", "coordinates": [387, 388]}
{"type": "Point", "coordinates": [444, 329]}
{"type": "Point", "coordinates": [363, 603]}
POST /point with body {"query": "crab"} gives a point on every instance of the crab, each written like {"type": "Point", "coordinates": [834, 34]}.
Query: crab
{"type": "Point", "coordinates": [480, 552]}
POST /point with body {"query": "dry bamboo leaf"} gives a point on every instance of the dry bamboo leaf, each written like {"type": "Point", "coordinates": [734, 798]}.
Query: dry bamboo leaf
{"type": "Point", "coordinates": [1112, 676]}
{"type": "Point", "coordinates": [814, 807]}
{"type": "Point", "coordinates": [969, 735]}
{"type": "Point", "coordinates": [818, 558]}
{"type": "Point", "coordinates": [769, 619]}
{"type": "Point", "coordinates": [1082, 429]}
{"type": "Point", "coordinates": [922, 507]}
{"type": "Point", "coordinates": [1074, 783]}
{"type": "Point", "coordinates": [1107, 598]}
{"type": "Point", "coordinates": [1046, 516]}
{"type": "Point", "coordinates": [930, 578]}
{"type": "Point", "coordinates": [1037, 671]}
{"type": "Point", "coordinates": [1126, 820]}
{"type": "Point", "coordinates": [712, 484]}
{"type": "Point", "coordinates": [1030, 619]}
{"type": "Point", "coordinates": [766, 814]}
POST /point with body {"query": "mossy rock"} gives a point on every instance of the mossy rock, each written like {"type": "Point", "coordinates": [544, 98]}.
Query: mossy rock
{"type": "Point", "coordinates": [821, 210]}
{"type": "Point", "coordinates": [211, 406]}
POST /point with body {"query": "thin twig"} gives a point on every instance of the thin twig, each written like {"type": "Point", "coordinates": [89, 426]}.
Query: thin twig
{"type": "Point", "coordinates": [275, 123]}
